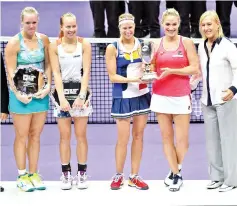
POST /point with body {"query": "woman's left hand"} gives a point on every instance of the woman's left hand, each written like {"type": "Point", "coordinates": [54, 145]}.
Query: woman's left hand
{"type": "Point", "coordinates": [165, 72]}
{"type": "Point", "coordinates": [78, 103]}
{"type": "Point", "coordinates": [228, 95]}
{"type": "Point", "coordinates": [42, 93]}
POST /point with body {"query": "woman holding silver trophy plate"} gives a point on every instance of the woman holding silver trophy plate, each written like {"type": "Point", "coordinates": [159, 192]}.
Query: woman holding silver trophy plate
{"type": "Point", "coordinates": [29, 75]}
{"type": "Point", "coordinates": [70, 58]}
{"type": "Point", "coordinates": [174, 61]}
{"type": "Point", "coordinates": [131, 99]}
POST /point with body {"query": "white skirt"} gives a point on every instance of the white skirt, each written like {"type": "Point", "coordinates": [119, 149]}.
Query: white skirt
{"type": "Point", "coordinates": [171, 105]}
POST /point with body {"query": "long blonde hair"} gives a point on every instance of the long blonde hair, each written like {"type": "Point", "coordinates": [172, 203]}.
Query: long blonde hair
{"type": "Point", "coordinates": [215, 17]}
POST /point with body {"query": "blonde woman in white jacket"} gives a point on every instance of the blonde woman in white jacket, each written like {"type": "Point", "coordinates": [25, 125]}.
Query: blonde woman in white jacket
{"type": "Point", "coordinates": [219, 73]}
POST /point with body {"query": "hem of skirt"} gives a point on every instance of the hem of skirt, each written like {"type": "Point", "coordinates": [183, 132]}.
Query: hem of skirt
{"type": "Point", "coordinates": [124, 116]}
{"type": "Point", "coordinates": [61, 117]}
{"type": "Point", "coordinates": [166, 112]}
{"type": "Point", "coordinates": [29, 112]}
{"type": "Point", "coordinates": [71, 117]}
{"type": "Point", "coordinates": [168, 95]}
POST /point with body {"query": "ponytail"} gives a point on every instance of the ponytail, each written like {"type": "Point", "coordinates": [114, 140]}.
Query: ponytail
{"type": "Point", "coordinates": [61, 34]}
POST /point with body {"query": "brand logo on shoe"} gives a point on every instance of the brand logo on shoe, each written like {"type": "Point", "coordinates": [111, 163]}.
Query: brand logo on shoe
{"type": "Point", "coordinates": [22, 184]}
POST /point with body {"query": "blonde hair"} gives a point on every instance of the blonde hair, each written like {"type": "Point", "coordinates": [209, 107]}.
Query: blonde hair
{"type": "Point", "coordinates": [68, 14]}
{"type": "Point", "coordinates": [124, 17]}
{"type": "Point", "coordinates": [169, 12]}
{"type": "Point", "coordinates": [215, 17]}
{"type": "Point", "coordinates": [28, 10]}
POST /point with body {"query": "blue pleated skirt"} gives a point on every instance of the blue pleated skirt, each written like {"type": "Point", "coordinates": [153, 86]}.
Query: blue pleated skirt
{"type": "Point", "coordinates": [128, 107]}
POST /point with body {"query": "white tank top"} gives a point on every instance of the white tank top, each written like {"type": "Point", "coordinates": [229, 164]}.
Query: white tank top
{"type": "Point", "coordinates": [70, 63]}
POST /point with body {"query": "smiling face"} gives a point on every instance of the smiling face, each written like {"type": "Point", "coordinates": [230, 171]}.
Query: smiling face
{"type": "Point", "coordinates": [29, 23]}
{"type": "Point", "coordinates": [171, 25]}
{"type": "Point", "coordinates": [127, 30]}
{"type": "Point", "coordinates": [69, 27]}
{"type": "Point", "coordinates": [209, 27]}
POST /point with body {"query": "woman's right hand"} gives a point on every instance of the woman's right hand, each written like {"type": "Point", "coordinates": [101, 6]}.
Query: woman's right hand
{"type": "Point", "coordinates": [139, 80]}
{"type": "Point", "coordinates": [64, 105]}
{"type": "Point", "coordinates": [3, 117]}
{"type": "Point", "coordinates": [23, 98]}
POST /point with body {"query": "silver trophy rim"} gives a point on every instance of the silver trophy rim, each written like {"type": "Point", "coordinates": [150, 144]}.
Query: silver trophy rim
{"type": "Point", "coordinates": [21, 67]}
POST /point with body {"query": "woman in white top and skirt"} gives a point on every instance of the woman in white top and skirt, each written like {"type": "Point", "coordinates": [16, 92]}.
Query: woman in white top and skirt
{"type": "Point", "coordinates": [70, 57]}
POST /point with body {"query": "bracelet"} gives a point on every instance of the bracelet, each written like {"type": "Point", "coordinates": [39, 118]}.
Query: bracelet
{"type": "Point", "coordinates": [82, 96]}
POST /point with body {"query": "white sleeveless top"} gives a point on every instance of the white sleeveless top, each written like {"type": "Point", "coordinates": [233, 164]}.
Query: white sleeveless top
{"type": "Point", "coordinates": [70, 63]}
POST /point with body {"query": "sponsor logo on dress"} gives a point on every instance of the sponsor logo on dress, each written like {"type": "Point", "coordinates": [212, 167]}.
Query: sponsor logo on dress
{"type": "Point", "coordinates": [179, 54]}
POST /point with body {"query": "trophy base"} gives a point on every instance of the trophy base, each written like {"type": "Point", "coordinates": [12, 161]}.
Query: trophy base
{"type": "Point", "coordinates": [149, 77]}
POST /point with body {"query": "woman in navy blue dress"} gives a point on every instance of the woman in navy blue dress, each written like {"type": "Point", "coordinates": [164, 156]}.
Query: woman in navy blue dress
{"type": "Point", "coordinates": [131, 100]}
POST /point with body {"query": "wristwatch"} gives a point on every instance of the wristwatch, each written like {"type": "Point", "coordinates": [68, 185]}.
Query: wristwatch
{"type": "Point", "coordinates": [82, 96]}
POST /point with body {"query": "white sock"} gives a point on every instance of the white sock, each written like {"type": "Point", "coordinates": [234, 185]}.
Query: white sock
{"type": "Point", "coordinates": [132, 175]}
{"type": "Point", "coordinates": [179, 166]}
{"type": "Point", "coordinates": [22, 172]}
{"type": "Point", "coordinates": [65, 163]}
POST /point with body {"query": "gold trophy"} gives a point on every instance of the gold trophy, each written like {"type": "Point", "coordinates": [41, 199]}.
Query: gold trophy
{"type": "Point", "coordinates": [147, 53]}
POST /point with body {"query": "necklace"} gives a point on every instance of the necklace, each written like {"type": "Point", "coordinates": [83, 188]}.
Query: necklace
{"type": "Point", "coordinates": [29, 40]}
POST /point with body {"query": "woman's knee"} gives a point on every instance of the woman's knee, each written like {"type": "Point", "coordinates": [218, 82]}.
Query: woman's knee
{"type": "Point", "coordinates": [123, 140]}
{"type": "Point", "coordinates": [138, 136]}
{"type": "Point", "coordinates": [182, 143]}
{"type": "Point", "coordinates": [65, 137]}
{"type": "Point", "coordinates": [81, 138]}
{"type": "Point", "coordinates": [22, 138]}
{"type": "Point", "coordinates": [167, 137]}
{"type": "Point", "coordinates": [34, 136]}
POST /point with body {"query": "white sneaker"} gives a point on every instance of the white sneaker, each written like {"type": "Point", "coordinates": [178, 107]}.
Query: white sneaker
{"type": "Point", "coordinates": [225, 188]}
{"type": "Point", "coordinates": [214, 184]}
{"type": "Point", "coordinates": [169, 179]}
{"type": "Point", "coordinates": [177, 183]}
{"type": "Point", "coordinates": [66, 181]}
{"type": "Point", "coordinates": [81, 180]}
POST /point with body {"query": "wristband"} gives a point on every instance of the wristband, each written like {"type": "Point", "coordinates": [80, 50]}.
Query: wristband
{"type": "Point", "coordinates": [82, 96]}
